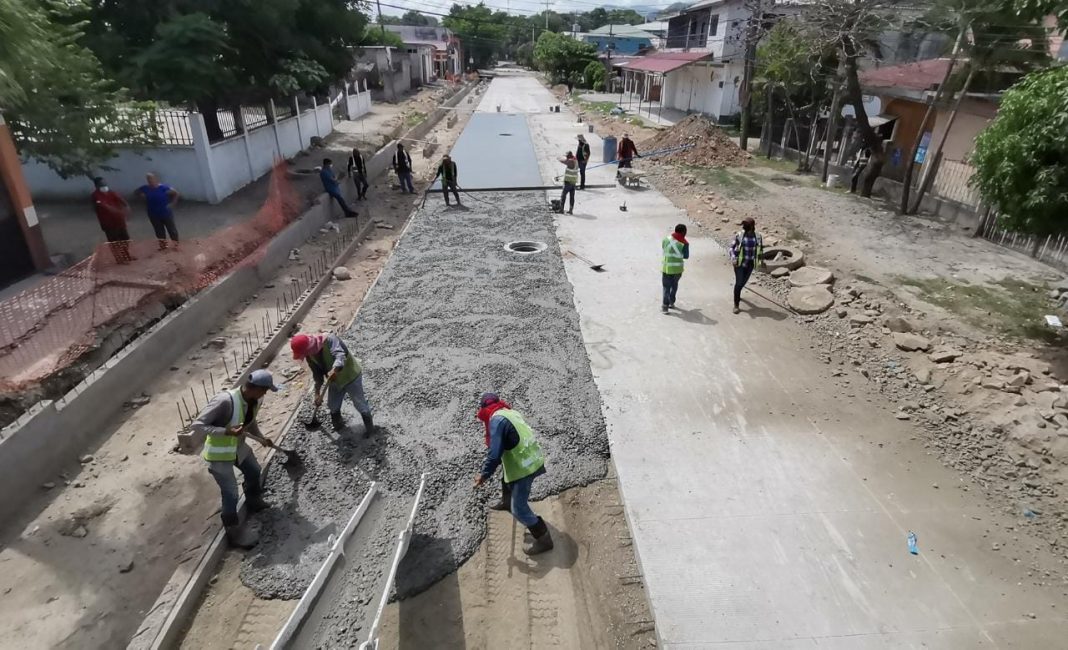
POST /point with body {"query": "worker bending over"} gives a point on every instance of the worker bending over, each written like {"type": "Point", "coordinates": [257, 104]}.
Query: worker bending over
{"type": "Point", "coordinates": [510, 443]}
{"type": "Point", "coordinates": [225, 422]}
{"type": "Point", "coordinates": [449, 178]}
{"type": "Point", "coordinates": [330, 361]}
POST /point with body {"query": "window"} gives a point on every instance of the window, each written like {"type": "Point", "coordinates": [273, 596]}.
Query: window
{"type": "Point", "coordinates": [714, 26]}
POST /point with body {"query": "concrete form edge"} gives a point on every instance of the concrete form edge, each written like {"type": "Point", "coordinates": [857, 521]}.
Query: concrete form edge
{"type": "Point", "coordinates": [404, 538]}
{"type": "Point", "coordinates": [311, 594]}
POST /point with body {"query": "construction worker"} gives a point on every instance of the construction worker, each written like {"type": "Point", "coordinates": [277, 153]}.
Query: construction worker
{"type": "Point", "coordinates": [582, 155]}
{"type": "Point", "coordinates": [330, 361]}
{"type": "Point", "coordinates": [358, 170]}
{"type": "Point", "coordinates": [676, 252]}
{"type": "Point", "coordinates": [571, 177]}
{"type": "Point", "coordinates": [449, 176]}
{"type": "Point", "coordinates": [627, 152]}
{"type": "Point", "coordinates": [402, 164]}
{"type": "Point", "coordinates": [747, 250]}
{"type": "Point", "coordinates": [510, 443]}
{"type": "Point", "coordinates": [333, 188]}
{"type": "Point", "coordinates": [225, 422]}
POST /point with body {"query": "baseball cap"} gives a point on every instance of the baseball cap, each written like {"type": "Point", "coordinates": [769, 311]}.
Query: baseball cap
{"type": "Point", "coordinates": [299, 344]}
{"type": "Point", "coordinates": [262, 379]}
{"type": "Point", "coordinates": [487, 399]}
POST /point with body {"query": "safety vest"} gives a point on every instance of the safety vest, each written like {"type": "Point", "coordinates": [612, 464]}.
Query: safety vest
{"type": "Point", "coordinates": [571, 175]}
{"type": "Point", "coordinates": [525, 458]}
{"type": "Point", "coordinates": [224, 447]}
{"type": "Point", "coordinates": [673, 259]}
{"type": "Point", "coordinates": [349, 372]}
{"type": "Point", "coordinates": [740, 254]}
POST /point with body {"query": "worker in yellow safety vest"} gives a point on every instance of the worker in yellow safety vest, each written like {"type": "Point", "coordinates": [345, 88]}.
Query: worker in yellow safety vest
{"type": "Point", "coordinates": [510, 443]}
{"type": "Point", "coordinates": [571, 178]}
{"type": "Point", "coordinates": [676, 251]}
{"type": "Point", "coordinates": [225, 422]}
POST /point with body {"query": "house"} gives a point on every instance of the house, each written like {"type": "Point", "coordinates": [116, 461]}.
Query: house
{"type": "Point", "coordinates": [898, 94]}
{"type": "Point", "coordinates": [386, 69]}
{"type": "Point", "coordinates": [446, 51]}
{"type": "Point", "coordinates": [620, 39]}
{"type": "Point", "coordinates": [421, 56]}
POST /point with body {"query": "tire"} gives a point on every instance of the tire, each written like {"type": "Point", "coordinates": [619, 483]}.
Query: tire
{"type": "Point", "coordinates": [790, 258]}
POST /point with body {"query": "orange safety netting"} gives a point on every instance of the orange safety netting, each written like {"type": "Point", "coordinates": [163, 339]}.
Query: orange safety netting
{"type": "Point", "coordinates": [47, 329]}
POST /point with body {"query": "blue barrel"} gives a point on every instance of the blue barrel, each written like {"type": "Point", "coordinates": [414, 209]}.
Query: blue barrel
{"type": "Point", "coordinates": [609, 154]}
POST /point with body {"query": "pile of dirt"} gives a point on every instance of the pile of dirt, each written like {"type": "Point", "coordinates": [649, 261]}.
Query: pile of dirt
{"type": "Point", "coordinates": [712, 147]}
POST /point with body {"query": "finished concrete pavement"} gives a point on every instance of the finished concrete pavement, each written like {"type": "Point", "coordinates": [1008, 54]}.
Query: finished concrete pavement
{"type": "Point", "coordinates": [768, 510]}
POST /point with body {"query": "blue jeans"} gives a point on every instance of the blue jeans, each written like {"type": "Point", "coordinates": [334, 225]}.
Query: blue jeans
{"type": "Point", "coordinates": [569, 190]}
{"type": "Point", "coordinates": [520, 498]}
{"type": "Point", "coordinates": [335, 396]}
{"type": "Point", "coordinates": [336, 195]}
{"type": "Point", "coordinates": [741, 276]}
{"type": "Point", "coordinates": [223, 473]}
{"type": "Point", "coordinates": [406, 182]}
{"type": "Point", "coordinates": [671, 287]}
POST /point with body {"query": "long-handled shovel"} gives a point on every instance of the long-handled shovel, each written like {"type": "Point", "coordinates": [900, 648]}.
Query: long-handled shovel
{"type": "Point", "coordinates": [595, 267]}
{"type": "Point", "coordinates": [314, 423]}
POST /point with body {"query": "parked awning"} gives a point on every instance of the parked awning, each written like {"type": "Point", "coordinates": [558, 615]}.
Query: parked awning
{"type": "Point", "coordinates": [664, 62]}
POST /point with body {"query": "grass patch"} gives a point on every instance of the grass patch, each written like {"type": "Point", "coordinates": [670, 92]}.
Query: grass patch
{"type": "Point", "coordinates": [731, 184]}
{"type": "Point", "coordinates": [601, 108]}
{"type": "Point", "coordinates": [779, 165]}
{"type": "Point", "coordinates": [1010, 307]}
{"type": "Point", "coordinates": [414, 118]}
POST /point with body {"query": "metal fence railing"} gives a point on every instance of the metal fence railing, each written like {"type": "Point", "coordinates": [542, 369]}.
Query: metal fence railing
{"type": "Point", "coordinates": [951, 182]}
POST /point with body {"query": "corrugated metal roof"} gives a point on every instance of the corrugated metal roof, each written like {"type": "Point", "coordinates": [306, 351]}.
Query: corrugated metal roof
{"type": "Point", "coordinates": [664, 62]}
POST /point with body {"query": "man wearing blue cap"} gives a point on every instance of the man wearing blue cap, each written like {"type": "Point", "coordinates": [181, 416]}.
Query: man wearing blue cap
{"type": "Point", "coordinates": [225, 422]}
{"type": "Point", "coordinates": [511, 444]}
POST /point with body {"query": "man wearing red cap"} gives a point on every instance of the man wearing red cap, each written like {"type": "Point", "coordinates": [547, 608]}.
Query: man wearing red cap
{"type": "Point", "coordinates": [511, 444]}
{"type": "Point", "coordinates": [747, 251]}
{"type": "Point", "coordinates": [330, 361]}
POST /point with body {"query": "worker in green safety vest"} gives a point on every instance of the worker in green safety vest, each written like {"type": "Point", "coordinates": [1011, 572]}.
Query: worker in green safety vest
{"type": "Point", "coordinates": [224, 423]}
{"type": "Point", "coordinates": [571, 179]}
{"type": "Point", "coordinates": [450, 177]}
{"type": "Point", "coordinates": [510, 443]}
{"type": "Point", "coordinates": [676, 251]}
{"type": "Point", "coordinates": [332, 363]}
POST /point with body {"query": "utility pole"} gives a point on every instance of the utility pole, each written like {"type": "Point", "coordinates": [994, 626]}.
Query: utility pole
{"type": "Point", "coordinates": [546, 15]}
{"type": "Point", "coordinates": [753, 24]}
{"type": "Point", "coordinates": [380, 21]}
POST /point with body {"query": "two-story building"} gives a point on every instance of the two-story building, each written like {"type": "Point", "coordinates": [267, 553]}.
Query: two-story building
{"type": "Point", "coordinates": [445, 57]}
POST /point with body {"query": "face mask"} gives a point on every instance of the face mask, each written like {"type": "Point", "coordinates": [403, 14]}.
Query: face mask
{"type": "Point", "coordinates": [105, 188]}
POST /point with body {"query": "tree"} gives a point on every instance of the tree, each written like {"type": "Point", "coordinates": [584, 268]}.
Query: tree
{"type": "Point", "coordinates": [63, 109]}
{"type": "Point", "coordinates": [1021, 158]}
{"type": "Point", "coordinates": [413, 17]}
{"type": "Point", "coordinates": [480, 30]}
{"type": "Point", "coordinates": [374, 35]}
{"type": "Point", "coordinates": [594, 75]}
{"type": "Point", "coordinates": [562, 56]}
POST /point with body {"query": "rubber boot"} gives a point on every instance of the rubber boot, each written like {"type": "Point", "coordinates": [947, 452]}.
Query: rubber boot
{"type": "Point", "coordinates": [237, 534]}
{"type": "Point", "coordinates": [505, 504]}
{"type": "Point", "coordinates": [337, 421]}
{"type": "Point", "coordinates": [368, 423]}
{"type": "Point", "coordinates": [255, 503]}
{"type": "Point", "coordinates": [543, 540]}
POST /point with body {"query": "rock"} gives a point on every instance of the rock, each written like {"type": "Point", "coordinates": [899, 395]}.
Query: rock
{"type": "Point", "coordinates": [944, 355]}
{"type": "Point", "coordinates": [342, 273]}
{"type": "Point", "coordinates": [860, 319]}
{"type": "Point", "coordinates": [80, 531]}
{"type": "Point", "coordinates": [88, 458]}
{"type": "Point", "coordinates": [814, 299]}
{"type": "Point", "coordinates": [923, 376]}
{"type": "Point", "coordinates": [127, 566]}
{"type": "Point", "coordinates": [992, 383]}
{"type": "Point", "coordinates": [1020, 380]}
{"type": "Point", "coordinates": [901, 415]}
{"type": "Point", "coordinates": [841, 312]}
{"type": "Point", "coordinates": [898, 324]}
{"type": "Point", "coordinates": [384, 226]}
{"type": "Point", "coordinates": [780, 273]}
{"type": "Point", "coordinates": [219, 342]}
{"type": "Point", "coordinates": [138, 402]}
{"type": "Point", "coordinates": [911, 342]}
{"type": "Point", "coordinates": [48, 485]}
{"type": "Point", "coordinates": [1032, 483]}
{"type": "Point", "coordinates": [809, 275]}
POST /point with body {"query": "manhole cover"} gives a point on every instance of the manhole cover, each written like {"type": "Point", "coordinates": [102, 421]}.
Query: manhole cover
{"type": "Point", "coordinates": [525, 247]}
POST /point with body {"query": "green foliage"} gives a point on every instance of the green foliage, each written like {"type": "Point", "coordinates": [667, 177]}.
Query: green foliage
{"type": "Point", "coordinates": [1021, 159]}
{"type": "Point", "coordinates": [185, 62]}
{"type": "Point", "coordinates": [480, 30]}
{"type": "Point", "coordinates": [561, 56]}
{"type": "Point", "coordinates": [593, 76]}
{"type": "Point", "coordinates": [374, 36]}
{"type": "Point", "coordinates": [413, 17]}
{"type": "Point", "coordinates": [62, 108]}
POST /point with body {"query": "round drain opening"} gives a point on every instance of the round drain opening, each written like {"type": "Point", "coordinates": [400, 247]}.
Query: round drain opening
{"type": "Point", "coordinates": [525, 247]}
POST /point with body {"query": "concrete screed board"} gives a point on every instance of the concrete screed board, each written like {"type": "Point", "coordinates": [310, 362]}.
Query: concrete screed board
{"type": "Point", "coordinates": [495, 151]}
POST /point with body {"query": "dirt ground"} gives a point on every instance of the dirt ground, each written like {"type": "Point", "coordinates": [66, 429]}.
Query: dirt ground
{"type": "Point", "coordinates": [88, 558]}
{"type": "Point", "coordinates": [587, 593]}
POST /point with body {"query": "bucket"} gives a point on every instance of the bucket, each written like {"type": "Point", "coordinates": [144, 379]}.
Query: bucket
{"type": "Point", "coordinates": [590, 127]}
{"type": "Point", "coordinates": [832, 180]}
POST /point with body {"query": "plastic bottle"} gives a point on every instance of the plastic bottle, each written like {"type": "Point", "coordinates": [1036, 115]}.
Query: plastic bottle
{"type": "Point", "coordinates": [913, 548]}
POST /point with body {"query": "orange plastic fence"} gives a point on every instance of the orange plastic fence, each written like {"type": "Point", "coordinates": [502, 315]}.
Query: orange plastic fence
{"type": "Point", "coordinates": [46, 329]}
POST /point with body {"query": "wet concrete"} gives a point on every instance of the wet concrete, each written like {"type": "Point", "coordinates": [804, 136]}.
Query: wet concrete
{"type": "Point", "coordinates": [495, 150]}
{"type": "Point", "coordinates": [452, 315]}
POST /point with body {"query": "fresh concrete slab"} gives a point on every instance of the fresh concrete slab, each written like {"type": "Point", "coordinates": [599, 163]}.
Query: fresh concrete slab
{"type": "Point", "coordinates": [767, 511]}
{"type": "Point", "coordinates": [494, 151]}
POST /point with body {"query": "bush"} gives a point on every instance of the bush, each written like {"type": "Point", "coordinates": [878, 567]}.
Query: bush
{"type": "Point", "coordinates": [593, 76]}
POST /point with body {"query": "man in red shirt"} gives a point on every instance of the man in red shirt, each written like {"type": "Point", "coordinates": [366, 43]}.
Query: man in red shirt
{"type": "Point", "coordinates": [111, 211]}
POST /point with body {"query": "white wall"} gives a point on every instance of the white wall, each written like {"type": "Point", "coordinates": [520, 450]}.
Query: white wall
{"type": "Point", "coordinates": [176, 166]}
{"type": "Point", "coordinates": [359, 104]}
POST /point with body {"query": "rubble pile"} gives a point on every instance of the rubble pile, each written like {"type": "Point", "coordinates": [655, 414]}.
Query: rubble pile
{"type": "Point", "coordinates": [712, 147]}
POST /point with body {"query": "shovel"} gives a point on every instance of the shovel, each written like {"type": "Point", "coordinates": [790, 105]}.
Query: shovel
{"type": "Point", "coordinates": [314, 423]}
{"type": "Point", "coordinates": [292, 457]}
{"type": "Point", "coordinates": [594, 267]}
